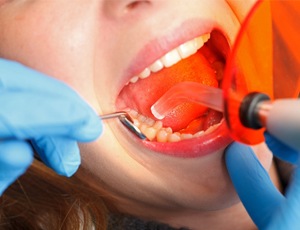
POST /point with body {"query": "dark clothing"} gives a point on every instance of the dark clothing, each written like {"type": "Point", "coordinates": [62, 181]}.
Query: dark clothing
{"type": "Point", "coordinates": [118, 222]}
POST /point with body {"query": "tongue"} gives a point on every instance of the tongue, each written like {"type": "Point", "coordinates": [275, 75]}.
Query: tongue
{"type": "Point", "coordinates": [143, 94]}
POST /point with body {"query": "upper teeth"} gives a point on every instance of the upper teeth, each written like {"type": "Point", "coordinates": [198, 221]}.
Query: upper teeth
{"type": "Point", "coordinates": [172, 57]}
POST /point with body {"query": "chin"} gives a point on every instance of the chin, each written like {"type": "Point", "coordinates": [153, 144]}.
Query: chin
{"type": "Point", "coordinates": [177, 183]}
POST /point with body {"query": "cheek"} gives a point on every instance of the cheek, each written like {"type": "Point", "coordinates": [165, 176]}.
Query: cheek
{"type": "Point", "coordinates": [60, 45]}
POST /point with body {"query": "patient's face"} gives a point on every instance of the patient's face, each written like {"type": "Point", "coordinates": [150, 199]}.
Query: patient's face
{"type": "Point", "coordinates": [123, 55]}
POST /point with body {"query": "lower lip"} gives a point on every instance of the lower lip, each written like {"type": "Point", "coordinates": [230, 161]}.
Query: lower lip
{"type": "Point", "coordinates": [196, 147]}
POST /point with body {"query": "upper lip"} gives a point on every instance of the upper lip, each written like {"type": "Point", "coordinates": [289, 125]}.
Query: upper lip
{"type": "Point", "coordinates": [157, 47]}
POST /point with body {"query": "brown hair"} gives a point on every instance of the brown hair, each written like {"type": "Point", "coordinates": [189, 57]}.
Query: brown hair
{"type": "Point", "coordinates": [41, 199]}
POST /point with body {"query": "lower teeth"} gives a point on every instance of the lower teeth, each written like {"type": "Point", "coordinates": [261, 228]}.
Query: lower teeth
{"type": "Point", "coordinates": [155, 131]}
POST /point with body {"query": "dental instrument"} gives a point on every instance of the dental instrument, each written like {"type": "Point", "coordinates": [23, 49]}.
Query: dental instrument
{"type": "Point", "coordinates": [280, 117]}
{"type": "Point", "coordinates": [261, 80]}
{"type": "Point", "coordinates": [127, 121]}
{"type": "Point", "coordinates": [188, 91]}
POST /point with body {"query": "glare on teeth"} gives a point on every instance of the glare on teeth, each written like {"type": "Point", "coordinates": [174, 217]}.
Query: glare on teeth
{"type": "Point", "coordinates": [154, 130]}
{"type": "Point", "coordinates": [134, 79]}
{"type": "Point", "coordinates": [146, 73]}
{"type": "Point", "coordinates": [172, 57]}
{"type": "Point", "coordinates": [156, 66]}
{"type": "Point", "coordinates": [188, 48]}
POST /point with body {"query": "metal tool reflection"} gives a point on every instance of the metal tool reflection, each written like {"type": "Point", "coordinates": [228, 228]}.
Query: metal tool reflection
{"type": "Point", "coordinates": [127, 121]}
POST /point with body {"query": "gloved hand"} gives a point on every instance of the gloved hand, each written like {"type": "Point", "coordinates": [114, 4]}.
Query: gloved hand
{"type": "Point", "coordinates": [264, 203]}
{"type": "Point", "coordinates": [44, 111]}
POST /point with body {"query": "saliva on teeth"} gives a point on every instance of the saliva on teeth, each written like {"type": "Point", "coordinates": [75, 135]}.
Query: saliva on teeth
{"type": "Point", "coordinates": [154, 130]}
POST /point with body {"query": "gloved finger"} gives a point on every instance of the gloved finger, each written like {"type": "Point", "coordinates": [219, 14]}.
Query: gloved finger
{"type": "Point", "coordinates": [28, 115]}
{"type": "Point", "coordinates": [288, 215]}
{"type": "Point", "coordinates": [15, 77]}
{"type": "Point", "coordinates": [252, 183]}
{"type": "Point", "coordinates": [15, 157]}
{"type": "Point", "coordinates": [281, 150]}
{"type": "Point", "coordinates": [59, 153]}
{"type": "Point", "coordinates": [40, 105]}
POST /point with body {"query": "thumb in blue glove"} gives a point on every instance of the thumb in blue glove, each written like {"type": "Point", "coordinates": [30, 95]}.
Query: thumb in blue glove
{"type": "Point", "coordinates": [267, 207]}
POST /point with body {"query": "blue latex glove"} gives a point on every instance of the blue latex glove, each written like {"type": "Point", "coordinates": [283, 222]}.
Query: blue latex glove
{"type": "Point", "coordinates": [48, 113]}
{"type": "Point", "coordinates": [266, 206]}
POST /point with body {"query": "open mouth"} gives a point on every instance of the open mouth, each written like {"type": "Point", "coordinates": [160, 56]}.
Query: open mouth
{"type": "Point", "coordinates": [202, 60]}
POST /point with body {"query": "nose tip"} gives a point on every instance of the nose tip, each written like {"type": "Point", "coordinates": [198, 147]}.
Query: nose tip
{"type": "Point", "coordinates": [119, 8]}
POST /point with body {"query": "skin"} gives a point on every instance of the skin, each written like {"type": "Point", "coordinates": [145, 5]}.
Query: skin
{"type": "Point", "coordinates": [76, 41]}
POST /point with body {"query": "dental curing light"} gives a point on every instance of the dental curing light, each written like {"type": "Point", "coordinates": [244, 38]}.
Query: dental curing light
{"type": "Point", "coordinates": [261, 79]}
{"type": "Point", "coordinates": [280, 117]}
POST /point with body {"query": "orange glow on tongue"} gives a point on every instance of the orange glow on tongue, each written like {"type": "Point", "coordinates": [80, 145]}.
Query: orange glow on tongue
{"type": "Point", "coordinates": [141, 95]}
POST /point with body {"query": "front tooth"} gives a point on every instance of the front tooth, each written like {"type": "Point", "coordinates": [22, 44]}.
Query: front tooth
{"type": "Point", "coordinates": [199, 134]}
{"type": "Point", "coordinates": [199, 42]}
{"type": "Point", "coordinates": [170, 58]}
{"type": "Point", "coordinates": [162, 135]}
{"type": "Point", "coordinates": [150, 133]}
{"type": "Point", "coordinates": [141, 118]}
{"type": "Point", "coordinates": [149, 121]}
{"type": "Point", "coordinates": [187, 49]}
{"type": "Point", "coordinates": [211, 128]}
{"type": "Point", "coordinates": [156, 66]}
{"type": "Point", "coordinates": [168, 130]}
{"type": "Point", "coordinates": [174, 137]}
{"type": "Point", "coordinates": [134, 79]}
{"type": "Point", "coordinates": [145, 73]}
{"type": "Point", "coordinates": [143, 128]}
{"type": "Point", "coordinates": [158, 125]}
{"type": "Point", "coordinates": [185, 136]}
{"type": "Point", "coordinates": [133, 113]}
{"type": "Point", "coordinates": [205, 37]}
{"type": "Point", "coordinates": [137, 123]}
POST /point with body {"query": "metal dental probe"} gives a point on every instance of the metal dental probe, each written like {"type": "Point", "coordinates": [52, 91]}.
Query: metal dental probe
{"type": "Point", "coordinates": [126, 120]}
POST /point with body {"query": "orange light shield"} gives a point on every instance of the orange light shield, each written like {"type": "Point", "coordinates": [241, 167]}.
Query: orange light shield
{"type": "Point", "coordinates": [265, 58]}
